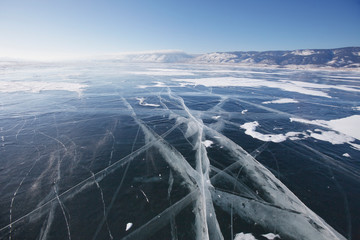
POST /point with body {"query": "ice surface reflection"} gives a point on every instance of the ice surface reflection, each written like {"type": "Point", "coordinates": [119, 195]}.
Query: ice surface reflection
{"type": "Point", "coordinates": [178, 158]}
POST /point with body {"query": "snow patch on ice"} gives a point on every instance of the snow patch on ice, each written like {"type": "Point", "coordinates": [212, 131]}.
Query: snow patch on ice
{"type": "Point", "coordinates": [157, 84]}
{"type": "Point", "coordinates": [355, 146]}
{"type": "Point", "coordinates": [208, 143]}
{"type": "Point", "coordinates": [250, 129]}
{"type": "Point", "coordinates": [322, 86]}
{"type": "Point", "coordinates": [348, 125]}
{"type": "Point", "coordinates": [163, 72]}
{"type": "Point", "coordinates": [321, 123]}
{"type": "Point", "coordinates": [128, 226]}
{"type": "Point", "coordinates": [37, 87]}
{"type": "Point", "coordinates": [143, 103]}
{"type": "Point", "coordinates": [307, 88]}
{"type": "Point", "coordinates": [244, 236]}
{"type": "Point", "coordinates": [289, 86]}
{"type": "Point", "coordinates": [271, 236]}
{"type": "Point", "coordinates": [281, 100]}
{"type": "Point", "coordinates": [330, 136]}
{"type": "Point", "coordinates": [345, 130]}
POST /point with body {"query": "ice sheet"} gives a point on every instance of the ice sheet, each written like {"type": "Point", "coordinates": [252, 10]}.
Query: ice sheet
{"type": "Point", "coordinates": [171, 162]}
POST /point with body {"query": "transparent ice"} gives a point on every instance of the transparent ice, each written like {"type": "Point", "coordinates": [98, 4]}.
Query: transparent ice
{"type": "Point", "coordinates": [103, 150]}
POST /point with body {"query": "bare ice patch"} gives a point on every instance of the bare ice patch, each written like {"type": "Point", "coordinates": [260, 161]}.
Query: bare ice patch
{"type": "Point", "coordinates": [281, 100]}
{"type": "Point", "coordinates": [37, 87]}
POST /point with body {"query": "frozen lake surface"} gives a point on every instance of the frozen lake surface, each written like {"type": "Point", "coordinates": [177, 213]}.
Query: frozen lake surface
{"type": "Point", "coordinates": [168, 151]}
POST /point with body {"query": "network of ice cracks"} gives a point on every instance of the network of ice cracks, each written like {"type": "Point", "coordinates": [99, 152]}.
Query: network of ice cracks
{"type": "Point", "coordinates": [272, 205]}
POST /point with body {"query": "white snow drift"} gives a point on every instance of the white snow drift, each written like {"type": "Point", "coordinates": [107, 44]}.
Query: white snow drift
{"type": "Point", "coordinates": [37, 87]}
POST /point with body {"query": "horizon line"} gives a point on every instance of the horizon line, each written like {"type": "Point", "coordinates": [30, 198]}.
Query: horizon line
{"type": "Point", "coordinates": [50, 57]}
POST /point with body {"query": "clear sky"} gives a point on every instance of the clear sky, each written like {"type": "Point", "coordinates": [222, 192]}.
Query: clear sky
{"type": "Point", "coordinates": [40, 28]}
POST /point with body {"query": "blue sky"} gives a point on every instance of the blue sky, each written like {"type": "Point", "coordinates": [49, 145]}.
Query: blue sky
{"type": "Point", "coordinates": [40, 28]}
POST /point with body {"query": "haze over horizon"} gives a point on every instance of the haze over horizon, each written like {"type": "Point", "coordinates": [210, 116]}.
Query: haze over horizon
{"type": "Point", "coordinates": [66, 29]}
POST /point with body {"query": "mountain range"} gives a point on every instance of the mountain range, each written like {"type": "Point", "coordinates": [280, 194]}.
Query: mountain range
{"type": "Point", "coordinates": [340, 58]}
{"type": "Point", "coordinates": [348, 57]}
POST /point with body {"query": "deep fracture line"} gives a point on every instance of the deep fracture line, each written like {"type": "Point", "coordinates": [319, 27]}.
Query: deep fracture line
{"type": "Point", "coordinates": [106, 213]}
{"type": "Point", "coordinates": [63, 212]}
{"type": "Point", "coordinates": [20, 129]}
{"type": "Point", "coordinates": [17, 189]}
{"type": "Point", "coordinates": [55, 139]}
{"type": "Point", "coordinates": [206, 212]}
{"type": "Point", "coordinates": [99, 175]}
{"type": "Point", "coordinates": [103, 203]}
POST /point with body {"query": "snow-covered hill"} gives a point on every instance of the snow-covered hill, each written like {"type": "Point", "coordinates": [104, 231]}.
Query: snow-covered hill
{"type": "Point", "coordinates": [348, 57]}
{"type": "Point", "coordinates": [341, 57]}
{"type": "Point", "coordinates": [164, 56]}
